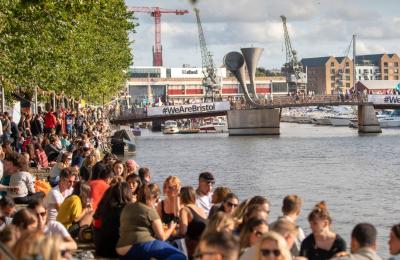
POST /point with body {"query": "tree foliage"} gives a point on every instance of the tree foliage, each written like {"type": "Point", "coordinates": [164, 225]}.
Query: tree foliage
{"type": "Point", "coordinates": [76, 47]}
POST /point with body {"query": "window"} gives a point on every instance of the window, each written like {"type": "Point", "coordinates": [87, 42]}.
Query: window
{"type": "Point", "coordinates": [347, 70]}
{"type": "Point", "coordinates": [332, 64]}
{"type": "Point", "coordinates": [359, 77]}
{"type": "Point", "coordinates": [396, 70]}
{"type": "Point", "coordinates": [370, 71]}
{"type": "Point", "coordinates": [371, 78]}
{"type": "Point", "coordinates": [359, 71]}
{"type": "Point", "coordinates": [396, 64]}
{"type": "Point", "coordinates": [347, 64]}
{"type": "Point", "coordinates": [347, 77]}
{"type": "Point", "coordinates": [385, 71]}
{"type": "Point", "coordinates": [332, 71]}
{"type": "Point", "coordinates": [332, 85]}
{"type": "Point", "coordinates": [332, 78]}
{"type": "Point", "coordinates": [396, 77]}
{"type": "Point", "coordinates": [385, 64]}
{"type": "Point", "coordinates": [347, 85]}
{"type": "Point", "coordinates": [386, 78]}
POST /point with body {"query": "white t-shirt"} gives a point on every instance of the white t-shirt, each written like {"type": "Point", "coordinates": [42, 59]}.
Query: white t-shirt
{"type": "Point", "coordinates": [56, 228]}
{"type": "Point", "coordinates": [24, 181]}
{"type": "Point", "coordinates": [53, 198]}
{"type": "Point", "coordinates": [204, 202]}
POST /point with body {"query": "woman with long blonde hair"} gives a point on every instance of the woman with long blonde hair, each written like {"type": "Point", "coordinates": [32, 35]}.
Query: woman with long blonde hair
{"type": "Point", "coordinates": [273, 246]}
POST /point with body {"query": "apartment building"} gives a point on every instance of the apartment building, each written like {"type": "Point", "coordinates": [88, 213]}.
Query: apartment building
{"type": "Point", "coordinates": [329, 75]}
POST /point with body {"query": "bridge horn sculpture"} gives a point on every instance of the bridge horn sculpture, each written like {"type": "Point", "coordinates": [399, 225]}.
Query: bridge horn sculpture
{"type": "Point", "coordinates": [235, 62]}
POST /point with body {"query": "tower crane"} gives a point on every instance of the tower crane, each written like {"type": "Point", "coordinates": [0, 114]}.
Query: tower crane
{"type": "Point", "coordinates": [156, 13]}
{"type": "Point", "coordinates": [293, 69]}
{"type": "Point", "coordinates": [209, 71]}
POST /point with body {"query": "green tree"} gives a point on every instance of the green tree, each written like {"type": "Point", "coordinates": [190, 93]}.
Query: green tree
{"type": "Point", "coordinates": [80, 48]}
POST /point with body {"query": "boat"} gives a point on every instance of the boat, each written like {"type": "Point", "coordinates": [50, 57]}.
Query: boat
{"type": "Point", "coordinates": [136, 131]}
{"type": "Point", "coordinates": [340, 120]}
{"type": "Point", "coordinates": [389, 121]}
{"type": "Point", "coordinates": [217, 126]}
{"type": "Point", "coordinates": [170, 127]}
{"type": "Point", "coordinates": [322, 121]}
{"type": "Point", "coordinates": [189, 131]}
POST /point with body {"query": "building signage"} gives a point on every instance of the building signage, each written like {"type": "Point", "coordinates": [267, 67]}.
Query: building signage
{"type": "Point", "coordinates": [384, 99]}
{"type": "Point", "coordinates": [189, 109]}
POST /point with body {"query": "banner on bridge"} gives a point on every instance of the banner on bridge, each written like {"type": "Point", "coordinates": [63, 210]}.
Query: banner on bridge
{"type": "Point", "coordinates": [384, 99]}
{"type": "Point", "coordinates": [189, 109]}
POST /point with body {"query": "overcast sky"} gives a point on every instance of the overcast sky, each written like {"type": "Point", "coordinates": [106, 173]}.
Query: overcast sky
{"type": "Point", "coordinates": [316, 27]}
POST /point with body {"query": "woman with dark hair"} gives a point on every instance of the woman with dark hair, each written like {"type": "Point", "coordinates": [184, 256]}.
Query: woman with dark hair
{"type": "Point", "coordinates": [230, 203]}
{"type": "Point", "coordinates": [252, 232]}
{"type": "Point", "coordinates": [394, 242]}
{"type": "Point", "coordinates": [76, 211]}
{"type": "Point", "coordinates": [135, 183]}
{"type": "Point", "coordinates": [322, 243]}
{"type": "Point", "coordinates": [141, 231]}
{"type": "Point", "coordinates": [106, 219]}
{"type": "Point", "coordinates": [25, 219]}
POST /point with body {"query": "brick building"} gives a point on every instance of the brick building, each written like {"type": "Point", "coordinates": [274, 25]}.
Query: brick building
{"type": "Point", "coordinates": [329, 75]}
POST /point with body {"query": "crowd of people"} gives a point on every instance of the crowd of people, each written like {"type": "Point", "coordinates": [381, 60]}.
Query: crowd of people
{"type": "Point", "coordinates": [94, 197]}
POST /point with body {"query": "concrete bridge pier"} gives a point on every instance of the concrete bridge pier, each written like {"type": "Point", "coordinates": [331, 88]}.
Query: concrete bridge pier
{"type": "Point", "coordinates": [367, 120]}
{"type": "Point", "coordinates": [254, 122]}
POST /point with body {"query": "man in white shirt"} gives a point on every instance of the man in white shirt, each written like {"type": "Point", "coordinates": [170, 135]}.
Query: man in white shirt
{"type": "Point", "coordinates": [57, 194]}
{"type": "Point", "coordinates": [204, 191]}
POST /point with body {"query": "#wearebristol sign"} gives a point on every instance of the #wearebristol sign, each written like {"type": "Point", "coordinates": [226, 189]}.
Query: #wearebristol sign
{"type": "Point", "coordinates": [189, 109]}
{"type": "Point", "coordinates": [384, 99]}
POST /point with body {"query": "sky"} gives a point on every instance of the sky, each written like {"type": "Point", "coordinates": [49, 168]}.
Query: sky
{"type": "Point", "coordinates": [316, 27]}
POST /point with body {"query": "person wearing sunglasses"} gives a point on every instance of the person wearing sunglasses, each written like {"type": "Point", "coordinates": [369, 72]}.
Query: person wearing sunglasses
{"type": "Point", "coordinates": [51, 227]}
{"type": "Point", "coordinates": [230, 203]}
{"type": "Point", "coordinates": [218, 246]}
{"type": "Point", "coordinates": [252, 232]}
{"type": "Point", "coordinates": [204, 191]}
{"type": "Point", "coordinates": [273, 246]}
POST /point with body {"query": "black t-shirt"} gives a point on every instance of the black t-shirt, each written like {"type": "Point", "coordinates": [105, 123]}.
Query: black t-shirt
{"type": "Point", "coordinates": [310, 250]}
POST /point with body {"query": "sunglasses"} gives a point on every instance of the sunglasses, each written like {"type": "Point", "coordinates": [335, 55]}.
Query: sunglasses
{"type": "Point", "coordinates": [268, 252]}
{"type": "Point", "coordinates": [42, 214]}
{"type": "Point", "coordinates": [231, 205]}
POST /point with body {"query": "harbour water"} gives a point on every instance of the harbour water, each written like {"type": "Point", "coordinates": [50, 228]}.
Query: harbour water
{"type": "Point", "coordinates": [358, 176]}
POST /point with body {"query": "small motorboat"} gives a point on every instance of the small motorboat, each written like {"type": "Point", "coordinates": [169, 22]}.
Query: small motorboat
{"type": "Point", "coordinates": [171, 127]}
{"type": "Point", "coordinates": [217, 126]}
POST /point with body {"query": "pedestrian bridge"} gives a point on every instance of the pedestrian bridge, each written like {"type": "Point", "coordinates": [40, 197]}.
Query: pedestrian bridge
{"type": "Point", "coordinates": [272, 107]}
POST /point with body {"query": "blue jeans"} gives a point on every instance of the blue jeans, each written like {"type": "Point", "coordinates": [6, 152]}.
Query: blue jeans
{"type": "Point", "coordinates": [157, 249]}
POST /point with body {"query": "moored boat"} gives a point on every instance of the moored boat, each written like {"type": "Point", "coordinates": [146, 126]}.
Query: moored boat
{"type": "Point", "coordinates": [170, 127]}
{"type": "Point", "coordinates": [217, 126]}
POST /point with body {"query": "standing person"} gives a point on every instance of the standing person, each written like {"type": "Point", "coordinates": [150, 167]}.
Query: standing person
{"type": "Point", "coordinates": [141, 231]}
{"type": "Point", "coordinates": [50, 122]}
{"type": "Point", "coordinates": [394, 242]}
{"type": "Point", "coordinates": [2, 155]}
{"type": "Point", "coordinates": [6, 127]}
{"type": "Point", "coordinates": [204, 191]}
{"type": "Point", "coordinates": [363, 243]}
{"type": "Point", "coordinates": [291, 208]}
{"type": "Point", "coordinates": [322, 243]}
{"type": "Point", "coordinates": [69, 123]}
{"type": "Point", "coordinates": [37, 125]}
{"type": "Point", "coordinates": [168, 208]}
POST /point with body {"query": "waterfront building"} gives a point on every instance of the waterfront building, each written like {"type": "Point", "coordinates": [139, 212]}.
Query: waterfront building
{"type": "Point", "coordinates": [329, 75]}
{"type": "Point", "coordinates": [379, 87]}
{"type": "Point", "coordinates": [185, 85]}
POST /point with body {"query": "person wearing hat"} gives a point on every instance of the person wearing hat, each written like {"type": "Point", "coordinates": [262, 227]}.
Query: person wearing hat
{"type": "Point", "coordinates": [204, 191]}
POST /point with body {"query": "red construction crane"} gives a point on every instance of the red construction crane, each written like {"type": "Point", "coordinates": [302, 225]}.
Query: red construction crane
{"type": "Point", "coordinates": [156, 13]}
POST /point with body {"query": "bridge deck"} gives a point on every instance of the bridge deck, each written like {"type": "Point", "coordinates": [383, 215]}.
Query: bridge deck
{"type": "Point", "coordinates": [140, 115]}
